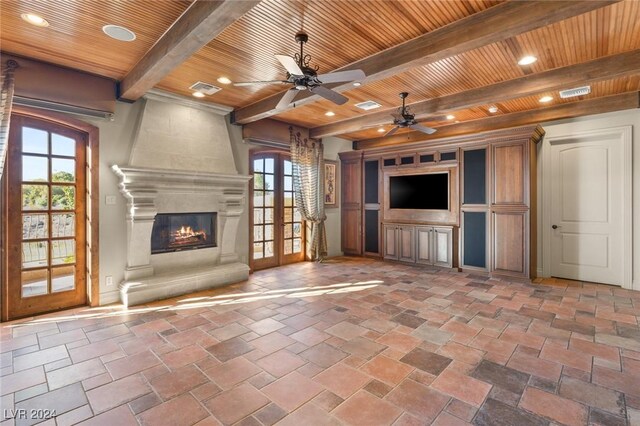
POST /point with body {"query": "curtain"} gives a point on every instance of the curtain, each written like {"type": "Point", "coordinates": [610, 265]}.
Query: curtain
{"type": "Point", "coordinates": [308, 187]}
{"type": "Point", "coordinates": [6, 100]}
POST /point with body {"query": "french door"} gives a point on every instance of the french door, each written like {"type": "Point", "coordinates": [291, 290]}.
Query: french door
{"type": "Point", "coordinates": [45, 205]}
{"type": "Point", "coordinates": [277, 229]}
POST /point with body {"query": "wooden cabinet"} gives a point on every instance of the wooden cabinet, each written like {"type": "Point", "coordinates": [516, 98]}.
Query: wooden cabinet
{"type": "Point", "coordinates": [427, 245]}
{"type": "Point", "coordinates": [492, 195]}
{"type": "Point", "coordinates": [351, 226]}
{"type": "Point", "coordinates": [399, 243]}
{"type": "Point", "coordinates": [424, 239]}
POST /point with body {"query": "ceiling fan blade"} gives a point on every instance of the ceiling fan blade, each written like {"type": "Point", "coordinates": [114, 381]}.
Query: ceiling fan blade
{"type": "Point", "coordinates": [290, 64]}
{"type": "Point", "coordinates": [340, 76]}
{"type": "Point", "coordinates": [423, 129]}
{"type": "Point", "coordinates": [250, 83]}
{"type": "Point", "coordinates": [329, 94]}
{"type": "Point", "coordinates": [286, 99]}
{"type": "Point", "coordinates": [392, 131]}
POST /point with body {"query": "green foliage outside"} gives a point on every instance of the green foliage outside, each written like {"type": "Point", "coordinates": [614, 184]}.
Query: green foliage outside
{"type": "Point", "coordinates": [62, 197]}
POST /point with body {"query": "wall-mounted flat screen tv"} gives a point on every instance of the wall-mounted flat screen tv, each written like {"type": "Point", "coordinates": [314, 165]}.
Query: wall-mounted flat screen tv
{"type": "Point", "coordinates": [423, 192]}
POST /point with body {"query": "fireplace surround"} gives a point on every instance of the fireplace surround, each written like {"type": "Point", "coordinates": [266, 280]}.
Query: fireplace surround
{"type": "Point", "coordinates": [181, 162]}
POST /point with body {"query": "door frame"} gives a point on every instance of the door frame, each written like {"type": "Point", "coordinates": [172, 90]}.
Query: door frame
{"type": "Point", "coordinates": [623, 134]}
{"type": "Point", "coordinates": [92, 199]}
{"type": "Point", "coordinates": [280, 259]}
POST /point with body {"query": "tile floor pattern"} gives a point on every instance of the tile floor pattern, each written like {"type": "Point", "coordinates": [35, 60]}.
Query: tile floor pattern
{"type": "Point", "coordinates": [350, 341]}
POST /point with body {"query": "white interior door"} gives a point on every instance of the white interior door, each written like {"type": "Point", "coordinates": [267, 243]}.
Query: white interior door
{"type": "Point", "coordinates": [588, 208]}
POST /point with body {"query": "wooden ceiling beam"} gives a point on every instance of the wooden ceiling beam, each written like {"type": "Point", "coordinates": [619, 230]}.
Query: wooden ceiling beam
{"type": "Point", "coordinates": [609, 67]}
{"type": "Point", "coordinates": [497, 23]}
{"type": "Point", "coordinates": [601, 105]}
{"type": "Point", "coordinates": [196, 27]}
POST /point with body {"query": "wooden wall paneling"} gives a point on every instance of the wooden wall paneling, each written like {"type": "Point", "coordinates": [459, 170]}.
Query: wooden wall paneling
{"type": "Point", "coordinates": [533, 209]}
{"type": "Point", "coordinates": [510, 174]}
{"type": "Point", "coordinates": [351, 183]}
{"type": "Point", "coordinates": [510, 242]}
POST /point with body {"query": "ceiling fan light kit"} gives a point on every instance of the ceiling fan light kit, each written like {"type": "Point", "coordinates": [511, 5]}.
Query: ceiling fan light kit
{"type": "Point", "coordinates": [304, 77]}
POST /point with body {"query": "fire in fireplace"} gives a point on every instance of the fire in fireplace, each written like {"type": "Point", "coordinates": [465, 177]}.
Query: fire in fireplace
{"type": "Point", "coordinates": [183, 231]}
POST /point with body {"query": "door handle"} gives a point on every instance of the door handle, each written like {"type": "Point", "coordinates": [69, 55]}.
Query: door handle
{"type": "Point", "coordinates": [555, 226]}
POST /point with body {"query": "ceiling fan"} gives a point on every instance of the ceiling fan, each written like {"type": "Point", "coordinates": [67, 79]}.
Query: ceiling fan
{"type": "Point", "coordinates": [405, 119]}
{"type": "Point", "coordinates": [304, 77]}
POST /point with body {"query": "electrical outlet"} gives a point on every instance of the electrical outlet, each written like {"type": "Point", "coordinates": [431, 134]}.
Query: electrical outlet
{"type": "Point", "coordinates": [110, 200]}
{"type": "Point", "coordinates": [108, 280]}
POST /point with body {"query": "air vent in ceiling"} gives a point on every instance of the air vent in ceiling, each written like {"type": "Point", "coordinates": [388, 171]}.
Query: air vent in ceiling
{"type": "Point", "coordinates": [578, 91]}
{"type": "Point", "coordinates": [367, 105]}
{"type": "Point", "coordinates": [206, 88]}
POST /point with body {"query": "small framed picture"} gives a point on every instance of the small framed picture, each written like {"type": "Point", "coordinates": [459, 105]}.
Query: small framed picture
{"type": "Point", "coordinates": [330, 183]}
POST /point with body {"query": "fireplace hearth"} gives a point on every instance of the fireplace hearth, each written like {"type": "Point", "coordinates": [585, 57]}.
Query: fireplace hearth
{"type": "Point", "coordinates": [183, 231]}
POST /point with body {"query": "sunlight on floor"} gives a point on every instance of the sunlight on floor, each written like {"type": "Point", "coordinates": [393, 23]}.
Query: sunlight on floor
{"type": "Point", "coordinates": [205, 301]}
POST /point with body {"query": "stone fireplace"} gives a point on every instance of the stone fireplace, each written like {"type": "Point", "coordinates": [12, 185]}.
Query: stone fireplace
{"type": "Point", "coordinates": [181, 182]}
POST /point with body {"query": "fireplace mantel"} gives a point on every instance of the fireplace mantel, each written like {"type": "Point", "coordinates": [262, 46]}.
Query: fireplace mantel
{"type": "Point", "coordinates": [134, 179]}
{"type": "Point", "coordinates": [150, 191]}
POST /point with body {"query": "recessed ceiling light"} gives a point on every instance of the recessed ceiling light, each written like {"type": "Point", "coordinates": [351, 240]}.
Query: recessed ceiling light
{"type": "Point", "coordinates": [36, 20]}
{"type": "Point", "coordinates": [357, 83]}
{"type": "Point", "coordinates": [198, 94]}
{"type": "Point", "coordinates": [119, 33]}
{"type": "Point", "coordinates": [527, 60]}
{"type": "Point", "coordinates": [450, 117]}
{"type": "Point", "coordinates": [545, 99]}
{"type": "Point", "coordinates": [329, 113]}
{"type": "Point", "coordinates": [493, 109]}
{"type": "Point", "coordinates": [381, 130]}
{"type": "Point", "coordinates": [224, 80]}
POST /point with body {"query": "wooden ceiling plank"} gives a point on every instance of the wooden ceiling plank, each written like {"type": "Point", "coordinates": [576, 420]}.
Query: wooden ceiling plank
{"type": "Point", "coordinates": [492, 25]}
{"type": "Point", "coordinates": [196, 27]}
{"type": "Point", "coordinates": [601, 105]}
{"type": "Point", "coordinates": [609, 67]}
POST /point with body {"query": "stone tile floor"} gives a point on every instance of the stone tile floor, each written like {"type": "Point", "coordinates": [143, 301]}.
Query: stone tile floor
{"type": "Point", "coordinates": [349, 341]}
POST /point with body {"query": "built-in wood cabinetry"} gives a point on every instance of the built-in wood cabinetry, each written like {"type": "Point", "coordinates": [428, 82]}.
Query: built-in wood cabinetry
{"type": "Point", "coordinates": [351, 177]}
{"type": "Point", "coordinates": [490, 224]}
{"type": "Point", "coordinates": [427, 245]}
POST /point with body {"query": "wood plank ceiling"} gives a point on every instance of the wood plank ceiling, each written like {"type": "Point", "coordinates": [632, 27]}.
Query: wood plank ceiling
{"type": "Point", "coordinates": [340, 33]}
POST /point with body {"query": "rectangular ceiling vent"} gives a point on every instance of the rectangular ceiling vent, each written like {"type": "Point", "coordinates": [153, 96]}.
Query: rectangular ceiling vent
{"type": "Point", "coordinates": [367, 105]}
{"type": "Point", "coordinates": [578, 91]}
{"type": "Point", "coordinates": [206, 88]}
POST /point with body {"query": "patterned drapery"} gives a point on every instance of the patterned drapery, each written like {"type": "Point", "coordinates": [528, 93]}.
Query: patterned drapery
{"type": "Point", "coordinates": [308, 187]}
{"type": "Point", "coordinates": [6, 100]}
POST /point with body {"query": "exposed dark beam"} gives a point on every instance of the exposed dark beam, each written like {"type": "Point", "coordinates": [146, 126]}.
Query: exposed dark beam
{"type": "Point", "coordinates": [480, 29]}
{"type": "Point", "coordinates": [196, 27]}
{"type": "Point", "coordinates": [601, 105]}
{"type": "Point", "coordinates": [609, 67]}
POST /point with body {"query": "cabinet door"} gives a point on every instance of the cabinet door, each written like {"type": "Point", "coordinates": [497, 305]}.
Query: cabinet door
{"type": "Point", "coordinates": [391, 242]}
{"type": "Point", "coordinates": [510, 174]}
{"type": "Point", "coordinates": [510, 243]}
{"type": "Point", "coordinates": [406, 244]}
{"type": "Point", "coordinates": [474, 239]}
{"type": "Point", "coordinates": [424, 235]}
{"type": "Point", "coordinates": [351, 242]}
{"type": "Point", "coordinates": [443, 246]}
{"type": "Point", "coordinates": [351, 169]}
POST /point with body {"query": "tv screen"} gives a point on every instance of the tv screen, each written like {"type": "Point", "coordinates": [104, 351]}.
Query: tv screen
{"type": "Point", "coordinates": [424, 192]}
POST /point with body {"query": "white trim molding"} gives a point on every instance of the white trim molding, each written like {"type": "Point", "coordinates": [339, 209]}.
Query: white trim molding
{"type": "Point", "coordinates": [624, 135]}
